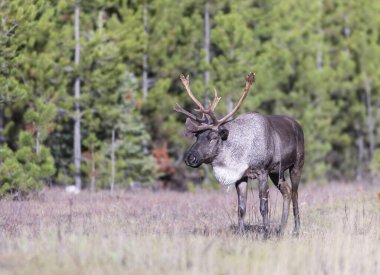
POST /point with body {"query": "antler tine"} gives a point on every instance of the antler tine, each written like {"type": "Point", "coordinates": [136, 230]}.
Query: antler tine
{"type": "Point", "coordinates": [249, 80]}
{"type": "Point", "coordinates": [179, 109]}
{"type": "Point", "coordinates": [186, 83]}
{"type": "Point", "coordinates": [215, 102]}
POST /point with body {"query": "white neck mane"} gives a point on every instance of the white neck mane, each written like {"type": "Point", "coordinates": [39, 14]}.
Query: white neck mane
{"type": "Point", "coordinates": [228, 175]}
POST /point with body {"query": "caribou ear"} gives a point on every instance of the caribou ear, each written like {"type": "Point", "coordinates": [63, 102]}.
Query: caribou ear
{"type": "Point", "coordinates": [223, 133]}
{"type": "Point", "coordinates": [191, 126]}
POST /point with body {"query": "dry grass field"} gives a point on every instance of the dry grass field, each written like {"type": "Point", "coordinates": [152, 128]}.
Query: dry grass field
{"type": "Point", "coordinates": [140, 232]}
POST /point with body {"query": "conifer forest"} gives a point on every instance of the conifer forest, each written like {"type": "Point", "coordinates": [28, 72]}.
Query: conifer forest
{"type": "Point", "coordinates": [87, 87]}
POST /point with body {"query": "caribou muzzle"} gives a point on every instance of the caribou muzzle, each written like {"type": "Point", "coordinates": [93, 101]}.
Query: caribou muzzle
{"type": "Point", "coordinates": [193, 159]}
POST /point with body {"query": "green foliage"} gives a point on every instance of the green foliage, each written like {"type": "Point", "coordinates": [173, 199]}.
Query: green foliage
{"type": "Point", "coordinates": [25, 169]}
{"type": "Point", "coordinates": [314, 61]}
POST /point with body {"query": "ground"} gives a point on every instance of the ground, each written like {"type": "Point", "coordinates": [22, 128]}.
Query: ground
{"type": "Point", "coordinates": [166, 232]}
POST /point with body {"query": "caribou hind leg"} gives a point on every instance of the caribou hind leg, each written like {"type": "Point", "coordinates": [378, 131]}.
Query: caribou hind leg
{"type": "Point", "coordinates": [295, 175]}
{"type": "Point", "coordinates": [284, 188]}
{"type": "Point", "coordinates": [241, 188]}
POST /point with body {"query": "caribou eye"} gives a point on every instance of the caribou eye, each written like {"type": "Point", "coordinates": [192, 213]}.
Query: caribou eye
{"type": "Point", "coordinates": [212, 136]}
{"type": "Point", "coordinates": [223, 133]}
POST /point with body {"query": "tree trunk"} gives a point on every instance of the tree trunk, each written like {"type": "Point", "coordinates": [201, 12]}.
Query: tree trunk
{"type": "Point", "coordinates": [346, 29]}
{"type": "Point", "coordinates": [206, 180]}
{"type": "Point", "coordinates": [2, 122]}
{"type": "Point", "coordinates": [145, 57]}
{"type": "Point", "coordinates": [2, 139]}
{"type": "Point", "coordinates": [77, 116]}
{"type": "Point", "coordinates": [112, 184]}
{"type": "Point", "coordinates": [38, 142]}
{"type": "Point", "coordinates": [207, 42]}
{"type": "Point", "coordinates": [145, 76]}
{"type": "Point", "coordinates": [377, 119]}
{"type": "Point", "coordinates": [360, 148]}
{"type": "Point", "coordinates": [370, 126]}
{"type": "Point", "coordinates": [230, 105]}
{"type": "Point", "coordinates": [93, 175]}
{"type": "Point", "coordinates": [145, 83]}
{"type": "Point", "coordinates": [319, 57]}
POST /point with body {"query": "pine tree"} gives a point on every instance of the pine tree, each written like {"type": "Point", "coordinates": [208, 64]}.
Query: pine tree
{"type": "Point", "coordinates": [32, 77]}
{"type": "Point", "coordinates": [77, 115]}
{"type": "Point", "coordinates": [31, 165]}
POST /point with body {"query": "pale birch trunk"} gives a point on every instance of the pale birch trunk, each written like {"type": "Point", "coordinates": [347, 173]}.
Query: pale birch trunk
{"type": "Point", "coordinates": [370, 125]}
{"type": "Point", "coordinates": [112, 183]}
{"type": "Point", "coordinates": [38, 142]}
{"type": "Point", "coordinates": [2, 123]}
{"type": "Point", "coordinates": [361, 156]}
{"type": "Point", "coordinates": [207, 72]}
{"type": "Point", "coordinates": [207, 43]}
{"type": "Point", "coordinates": [145, 57]}
{"type": "Point", "coordinates": [77, 116]}
{"type": "Point", "coordinates": [319, 56]}
{"type": "Point", "coordinates": [93, 176]}
{"type": "Point", "coordinates": [2, 139]}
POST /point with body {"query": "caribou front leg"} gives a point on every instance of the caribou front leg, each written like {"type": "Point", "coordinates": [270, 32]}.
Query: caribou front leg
{"type": "Point", "coordinates": [263, 194]}
{"type": "Point", "coordinates": [241, 188]}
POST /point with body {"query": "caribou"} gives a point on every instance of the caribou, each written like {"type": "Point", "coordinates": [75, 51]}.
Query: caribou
{"type": "Point", "coordinates": [248, 147]}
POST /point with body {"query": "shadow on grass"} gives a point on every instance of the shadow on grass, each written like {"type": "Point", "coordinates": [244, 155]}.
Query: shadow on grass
{"type": "Point", "coordinates": [248, 228]}
{"type": "Point", "coordinates": [256, 229]}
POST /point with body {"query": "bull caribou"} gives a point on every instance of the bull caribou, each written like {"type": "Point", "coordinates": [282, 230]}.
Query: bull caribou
{"type": "Point", "coordinates": [250, 146]}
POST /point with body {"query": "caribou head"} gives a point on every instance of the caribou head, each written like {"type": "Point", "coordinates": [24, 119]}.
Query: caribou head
{"type": "Point", "coordinates": [208, 129]}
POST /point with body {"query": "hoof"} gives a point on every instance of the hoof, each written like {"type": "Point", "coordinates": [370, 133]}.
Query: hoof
{"type": "Point", "coordinates": [266, 233]}
{"type": "Point", "coordinates": [241, 231]}
{"type": "Point", "coordinates": [295, 233]}
{"type": "Point", "coordinates": [279, 231]}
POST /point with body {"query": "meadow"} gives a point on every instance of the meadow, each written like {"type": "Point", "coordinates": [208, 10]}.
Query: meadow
{"type": "Point", "coordinates": [168, 232]}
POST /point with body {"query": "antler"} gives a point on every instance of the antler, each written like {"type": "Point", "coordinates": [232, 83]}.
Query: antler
{"type": "Point", "coordinates": [210, 112]}
{"type": "Point", "coordinates": [248, 82]}
{"type": "Point", "coordinates": [202, 109]}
